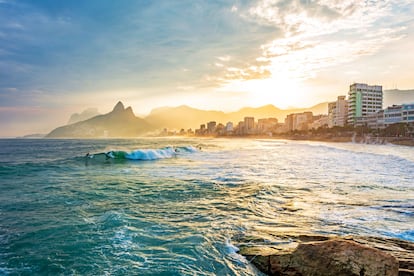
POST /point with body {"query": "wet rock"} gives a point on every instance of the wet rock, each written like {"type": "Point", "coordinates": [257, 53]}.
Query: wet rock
{"type": "Point", "coordinates": [321, 255]}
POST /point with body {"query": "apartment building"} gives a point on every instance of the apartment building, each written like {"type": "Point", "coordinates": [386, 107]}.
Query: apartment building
{"type": "Point", "coordinates": [338, 112]}
{"type": "Point", "coordinates": [363, 100]}
{"type": "Point", "coordinates": [399, 114]}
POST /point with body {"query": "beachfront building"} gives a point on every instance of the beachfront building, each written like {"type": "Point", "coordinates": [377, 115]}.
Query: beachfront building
{"type": "Point", "coordinates": [211, 127]}
{"type": "Point", "coordinates": [408, 113]}
{"type": "Point", "coordinates": [266, 125]}
{"type": "Point", "coordinates": [399, 114]}
{"type": "Point", "coordinates": [338, 112]}
{"type": "Point", "coordinates": [229, 127]}
{"type": "Point", "coordinates": [375, 120]}
{"type": "Point", "coordinates": [298, 121]}
{"type": "Point", "coordinates": [319, 121]}
{"type": "Point", "coordinates": [239, 130]}
{"type": "Point", "coordinates": [249, 126]}
{"type": "Point", "coordinates": [201, 130]}
{"type": "Point", "coordinates": [220, 129]}
{"type": "Point", "coordinates": [393, 114]}
{"type": "Point", "coordinates": [363, 100]}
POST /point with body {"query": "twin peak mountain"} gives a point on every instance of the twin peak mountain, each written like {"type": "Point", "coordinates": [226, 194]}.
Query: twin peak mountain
{"type": "Point", "coordinates": [122, 122]}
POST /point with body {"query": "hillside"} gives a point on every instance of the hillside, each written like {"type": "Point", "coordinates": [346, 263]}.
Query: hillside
{"type": "Point", "coordinates": [84, 115]}
{"type": "Point", "coordinates": [187, 117]}
{"type": "Point", "coordinates": [120, 122]}
{"type": "Point", "coordinates": [181, 117]}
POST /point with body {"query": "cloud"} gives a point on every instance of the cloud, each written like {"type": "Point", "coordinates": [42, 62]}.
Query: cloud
{"type": "Point", "coordinates": [224, 58]}
{"type": "Point", "coordinates": [11, 89]}
{"type": "Point", "coordinates": [249, 73]}
{"type": "Point", "coordinates": [320, 34]}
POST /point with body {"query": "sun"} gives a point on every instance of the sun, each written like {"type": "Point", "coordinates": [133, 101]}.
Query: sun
{"type": "Point", "coordinates": [281, 92]}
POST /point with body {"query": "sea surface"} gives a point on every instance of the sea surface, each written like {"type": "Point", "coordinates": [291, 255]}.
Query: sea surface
{"type": "Point", "coordinates": [164, 206]}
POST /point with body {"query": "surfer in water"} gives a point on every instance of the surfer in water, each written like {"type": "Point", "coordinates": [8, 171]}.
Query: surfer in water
{"type": "Point", "coordinates": [109, 155]}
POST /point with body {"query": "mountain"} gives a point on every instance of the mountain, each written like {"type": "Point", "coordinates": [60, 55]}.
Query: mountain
{"type": "Point", "coordinates": [396, 96]}
{"type": "Point", "coordinates": [187, 117]}
{"type": "Point", "coordinates": [33, 136]}
{"type": "Point", "coordinates": [84, 115]}
{"type": "Point", "coordinates": [120, 122]}
{"type": "Point", "coordinates": [181, 117]}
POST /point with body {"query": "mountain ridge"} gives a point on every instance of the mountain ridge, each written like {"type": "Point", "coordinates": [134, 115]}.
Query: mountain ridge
{"type": "Point", "coordinates": [84, 115]}
{"type": "Point", "coordinates": [120, 122]}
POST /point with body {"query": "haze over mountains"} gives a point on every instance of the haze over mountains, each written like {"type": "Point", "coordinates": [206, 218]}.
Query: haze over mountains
{"type": "Point", "coordinates": [84, 115]}
{"type": "Point", "coordinates": [187, 117]}
{"type": "Point", "coordinates": [122, 122]}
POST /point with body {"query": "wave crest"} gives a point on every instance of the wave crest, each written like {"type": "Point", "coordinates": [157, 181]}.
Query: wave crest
{"type": "Point", "coordinates": [143, 154]}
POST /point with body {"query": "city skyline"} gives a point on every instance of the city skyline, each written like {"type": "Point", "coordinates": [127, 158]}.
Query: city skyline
{"type": "Point", "coordinates": [58, 58]}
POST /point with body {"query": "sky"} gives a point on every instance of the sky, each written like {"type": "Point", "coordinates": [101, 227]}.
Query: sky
{"type": "Point", "coordinates": [62, 57]}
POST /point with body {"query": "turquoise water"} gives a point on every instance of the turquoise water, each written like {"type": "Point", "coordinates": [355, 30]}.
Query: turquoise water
{"type": "Point", "coordinates": [167, 207]}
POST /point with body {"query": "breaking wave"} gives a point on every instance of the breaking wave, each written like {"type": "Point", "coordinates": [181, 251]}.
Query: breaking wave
{"type": "Point", "coordinates": [142, 154]}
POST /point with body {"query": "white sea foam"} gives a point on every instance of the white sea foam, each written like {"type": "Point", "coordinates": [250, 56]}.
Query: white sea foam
{"type": "Point", "coordinates": [155, 154]}
{"type": "Point", "coordinates": [150, 154]}
{"type": "Point", "coordinates": [171, 217]}
{"type": "Point", "coordinates": [232, 253]}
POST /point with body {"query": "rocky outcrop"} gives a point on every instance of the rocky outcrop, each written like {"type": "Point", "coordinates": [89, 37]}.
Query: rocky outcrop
{"type": "Point", "coordinates": [120, 122]}
{"type": "Point", "coordinates": [313, 255]}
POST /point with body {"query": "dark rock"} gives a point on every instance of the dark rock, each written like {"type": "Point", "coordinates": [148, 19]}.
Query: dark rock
{"type": "Point", "coordinates": [322, 255]}
{"type": "Point", "coordinates": [119, 107]}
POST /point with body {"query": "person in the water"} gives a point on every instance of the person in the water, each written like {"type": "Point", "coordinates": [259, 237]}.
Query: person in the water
{"type": "Point", "coordinates": [109, 154]}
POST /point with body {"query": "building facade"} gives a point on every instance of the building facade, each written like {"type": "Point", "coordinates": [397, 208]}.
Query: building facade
{"type": "Point", "coordinates": [338, 112]}
{"type": "Point", "coordinates": [266, 125]}
{"type": "Point", "coordinates": [298, 121]}
{"type": "Point", "coordinates": [249, 125]}
{"type": "Point", "coordinates": [399, 114]}
{"type": "Point", "coordinates": [211, 127]}
{"type": "Point", "coordinates": [319, 121]}
{"type": "Point", "coordinates": [375, 120]}
{"type": "Point", "coordinates": [229, 127]}
{"type": "Point", "coordinates": [363, 100]}
{"type": "Point", "coordinates": [408, 113]}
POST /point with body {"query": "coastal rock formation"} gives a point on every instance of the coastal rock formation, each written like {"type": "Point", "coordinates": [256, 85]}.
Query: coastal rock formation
{"type": "Point", "coordinates": [333, 256]}
{"type": "Point", "coordinates": [120, 122]}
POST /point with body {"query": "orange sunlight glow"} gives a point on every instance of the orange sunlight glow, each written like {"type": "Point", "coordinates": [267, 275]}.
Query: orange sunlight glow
{"type": "Point", "coordinates": [282, 93]}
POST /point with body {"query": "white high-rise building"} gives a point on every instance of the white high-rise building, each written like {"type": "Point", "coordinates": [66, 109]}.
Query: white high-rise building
{"type": "Point", "coordinates": [229, 127]}
{"type": "Point", "coordinates": [338, 112]}
{"type": "Point", "coordinates": [363, 100]}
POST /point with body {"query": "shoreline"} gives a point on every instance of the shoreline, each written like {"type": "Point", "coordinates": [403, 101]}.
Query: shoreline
{"type": "Point", "coordinates": [401, 141]}
{"type": "Point", "coordinates": [366, 139]}
{"type": "Point", "coordinates": [370, 140]}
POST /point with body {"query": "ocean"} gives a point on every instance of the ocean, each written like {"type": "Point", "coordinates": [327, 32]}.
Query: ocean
{"type": "Point", "coordinates": [173, 206]}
